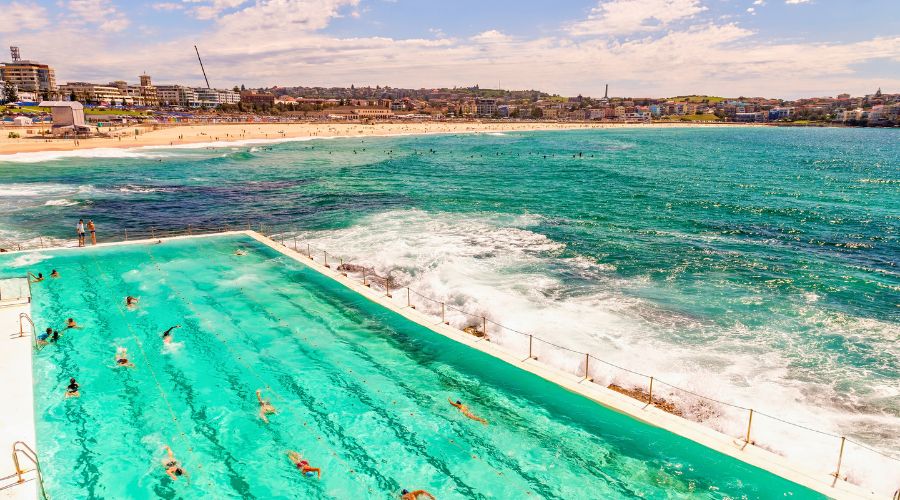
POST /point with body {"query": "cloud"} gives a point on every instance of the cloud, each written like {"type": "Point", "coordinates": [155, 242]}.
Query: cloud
{"type": "Point", "coordinates": [168, 6]}
{"type": "Point", "coordinates": [759, 2]}
{"type": "Point", "coordinates": [18, 16]}
{"type": "Point", "coordinates": [101, 13]}
{"type": "Point", "coordinates": [621, 17]}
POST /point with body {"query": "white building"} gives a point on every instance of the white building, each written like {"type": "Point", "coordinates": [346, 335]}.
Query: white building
{"type": "Point", "coordinates": [177, 95]}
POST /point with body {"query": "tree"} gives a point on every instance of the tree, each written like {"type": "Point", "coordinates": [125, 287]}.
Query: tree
{"type": "Point", "coordinates": [73, 97]}
{"type": "Point", "coordinates": [537, 113]}
{"type": "Point", "coordinates": [236, 88]}
{"type": "Point", "coordinates": [10, 92]}
{"type": "Point", "coordinates": [243, 87]}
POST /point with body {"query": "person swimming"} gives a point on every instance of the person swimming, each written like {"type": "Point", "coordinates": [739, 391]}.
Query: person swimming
{"type": "Point", "coordinates": [72, 390]}
{"type": "Point", "coordinates": [172, 465]}
{"type": "Point", "coordinates": [70, 323]}
{"type": "Point", "coordinates": [413, 495]}
{"type": "Point", "coordinates": [43, 338]}
{"type": "Point", "coordinates": [303, 465]}
{"type": "Point", "coordinates": [35, 279]}
{"type": "Point", "coordinates": [466, 411]}
{"type": "Point", "coordinates": [131, 301]}
{"type": "Point", "coordinates": [240, 253]}
{"type": "Point", "coordinates": [265, 407]}
{"type": "Point", "coordinates": [54, 274]}
{"type": "Point", "coordinates": [122, 358]}
{"type": "Point", "coordinates": [167, 335]}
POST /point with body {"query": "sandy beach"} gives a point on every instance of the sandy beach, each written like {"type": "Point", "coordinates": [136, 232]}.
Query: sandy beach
{"type": "Point", "coordinates": [172, 135]}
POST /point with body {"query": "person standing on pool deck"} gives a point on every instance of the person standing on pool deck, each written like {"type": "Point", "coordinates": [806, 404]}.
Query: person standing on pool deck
{"type": "Point", "coordinates": [167, 335]}
{"type": "Point", "coordinates": [466, 411]}
{"type": "Point", "coordinates": [264, 407]}
{"type": "Point", "coordinates": [93, 231]}
{"type": "Point", "coordinates": [414, 495]}
{"type": "Point", "coordinates": [79, 229]}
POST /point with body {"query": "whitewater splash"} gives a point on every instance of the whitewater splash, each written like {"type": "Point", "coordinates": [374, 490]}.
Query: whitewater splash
{"type": "Point", "coordinates": [495, 267]}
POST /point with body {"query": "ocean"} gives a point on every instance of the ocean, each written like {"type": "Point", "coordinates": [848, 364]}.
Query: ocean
{"type": "Point", "coordinates": [758, 266]}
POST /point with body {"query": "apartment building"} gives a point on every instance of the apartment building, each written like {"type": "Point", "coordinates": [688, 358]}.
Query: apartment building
{"type": "Point", "coordinates": [29, 76]}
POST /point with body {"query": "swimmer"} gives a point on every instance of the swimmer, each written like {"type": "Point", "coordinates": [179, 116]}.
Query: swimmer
{"type": "Point", "coordinates": [240, 253]}
{"type": "Point", "coordinates": [72, 389]}
{"type": "Point", "coordinates": [413, 495]}
{"type": "Point", "coordinates": [466, 411]}
{"type": "Point", "coordinates": [172, 465]}
{"type": "Point", "coordinates": [167, 335]}
{"type": "Point", "coordinates": [70, 323]}
{"type": "Point", "coordinates": [43, 339]}
{"type": "Point", "coordinates": [265, 407]}
{"type": "Point", "coordinates": [303, 465]}
{"type": "Point", "coordinates": [35, 279]}
{"type": "Point", "coordinates": [54, 274]}
{"type": "Point", "coordinates": [131, 301]}
{"type": "Point", "coordinates": [122, 358]}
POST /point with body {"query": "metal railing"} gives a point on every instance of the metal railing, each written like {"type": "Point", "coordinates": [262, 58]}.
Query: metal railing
{"type": "Point", "coordinates": [21, 448]}
{"type": "Point", "coordinates": [761, 428]}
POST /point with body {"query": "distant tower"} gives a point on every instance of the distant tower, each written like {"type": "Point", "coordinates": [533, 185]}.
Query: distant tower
{"type": "Point", "coordinates": [16, 57]}
{"type": "Point", "coordinates": [606, 92]}
{"type": "Point", "coordinates": [145, 80]}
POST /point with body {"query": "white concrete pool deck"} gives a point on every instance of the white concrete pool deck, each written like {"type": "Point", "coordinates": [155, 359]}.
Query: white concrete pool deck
{"type": "Point", "coordinates": [17, 414]}
{"type": "Point", "coordinates": [17, 397]}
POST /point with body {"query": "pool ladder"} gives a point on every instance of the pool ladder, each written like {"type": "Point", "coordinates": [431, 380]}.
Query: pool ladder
{"type": "Point", "coordinates": [23, 317]}
{"type": "Point", "coordinates": [21, 448]}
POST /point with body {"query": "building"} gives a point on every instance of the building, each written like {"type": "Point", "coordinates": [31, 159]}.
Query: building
{"type": "Point", "coordinates": [177, 95]}
{"type": "Point", "coordinates": [229, 97]}
{"type": "Point", "coordinates": [485, 107]}
{"type": "Point", "coordinates": [68, 118]}
{"type": "Point", "coordinates": [29, 76]}
{"type": "Point", "coordinates": [92, 93]}
{"type": "Point", "coordinates": [148, 91]}
{"type": "Point", "coordinates": [373, 113]}
{"type": "Point", "coordinates": [208, 98]}
{"type": "Point", "coordinates": [258, 98]}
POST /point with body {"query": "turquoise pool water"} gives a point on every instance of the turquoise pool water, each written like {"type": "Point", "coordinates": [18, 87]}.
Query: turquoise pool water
{"type": "Point", "coordinates": [360, 391]}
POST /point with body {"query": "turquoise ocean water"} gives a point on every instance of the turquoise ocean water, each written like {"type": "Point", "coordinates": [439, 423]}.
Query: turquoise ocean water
{"type": "Point", "coordinates": [753, 265]}
{"type": "Point", "coordinates": [360, 392]}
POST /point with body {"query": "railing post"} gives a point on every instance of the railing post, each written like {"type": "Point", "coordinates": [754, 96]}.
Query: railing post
{"type": "Point", "coordinates": [408, 301]}
{"type": "Point", "coordinates": [484, 325]}
{"type": "Point", "coordinates": [126, 234]}
{"type": "Point", "coordinates": [587, 359]}
{"type": "Point", "coordinates": [341, 267]}
{"type": "Point", "coordinates": [749, 425]}
{"type": "Point", "coordinates": [189, 230]}
{"type": "Point", "coordinates": [650, 393]}
{"type": "Point", "coordinates": [365, 274]}
{"type": "Point", "coordinates": [837, 473]}
{"type": "Point", "coordinates": [530, 342]}
{"type": "Point", "coordinates": [326, 259]}
{"type": "Point", "coordinates": [442, 315]}
{"type": "Point", "coordinates": [295, 243]}
{"type": "Point", "coordinates": [387, 287]}
{"type": "Point", "coordinates": [153, 233]}
{"type": "Point", "coordinates": [309, 251]}
{"type": "Point", "coordinates": [41, 239]}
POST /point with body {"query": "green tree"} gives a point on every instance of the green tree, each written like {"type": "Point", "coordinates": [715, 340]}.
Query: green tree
{"type": "Point", "coordinates": [537, 113]}
{"type": "Point", "coordinates": [73, 97]}
{"type": "Point", "coordinates": [10, 92]}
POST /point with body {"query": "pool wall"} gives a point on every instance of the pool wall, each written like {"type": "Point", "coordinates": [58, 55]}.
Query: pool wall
{"type": "Point", "coordinates": [17, 413]}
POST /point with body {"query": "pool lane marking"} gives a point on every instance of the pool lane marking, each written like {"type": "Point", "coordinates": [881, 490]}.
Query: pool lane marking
{"type": "Point", "coordinates": [162, 392]}
{"type": "Point", "coordinates": [268, 387]}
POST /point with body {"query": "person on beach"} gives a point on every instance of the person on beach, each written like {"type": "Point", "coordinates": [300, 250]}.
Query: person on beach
{"type": "Point", "coordinates": [414, 495]}
{"type": "Point", "coordinates": [35, 279]}
{"type": "Point", "coordinates": [303, 465]}
{"type": "Point", "coordinates": [265, 407]}
{"type": "Point", "coordinates": [172, 465]}
{"type": "Point", "coordinates": [54, 274]}
{"type": "Point", "coordinates": [466, 411]}
{"type": "Point", "coordinates": [79, 230]}
{"type": "Point", "coordinates": [122, 358]}
{"type": "Point", "coordinates": [72, 389]}
{"type": "Point", "coordinates": [93, 231]}
{"type": "Point", "coordinates": [131, 301]}
{"type": "Point", "coordinates": [167, 335]}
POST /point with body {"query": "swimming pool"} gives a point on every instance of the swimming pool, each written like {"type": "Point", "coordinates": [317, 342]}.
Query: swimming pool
{"type": "Point", "coordinates": [360, 391]}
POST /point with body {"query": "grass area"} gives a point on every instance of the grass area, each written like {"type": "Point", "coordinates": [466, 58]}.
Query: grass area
{"type": "Point", "coordinates": [698, 98]}
{"type": "Point", "coordinates": [32, 110]}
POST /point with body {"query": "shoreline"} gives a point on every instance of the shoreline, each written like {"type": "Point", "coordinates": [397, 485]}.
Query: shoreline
{"type": "Point", "coordinates": [139, 136]}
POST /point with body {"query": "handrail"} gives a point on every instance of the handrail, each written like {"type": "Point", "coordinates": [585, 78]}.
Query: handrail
{"type": "Point", "coordinates": [22, 318]}
{"type": "Point", "coordinates": [26, 451]}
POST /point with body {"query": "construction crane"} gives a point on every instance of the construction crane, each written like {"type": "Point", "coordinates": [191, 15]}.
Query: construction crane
{"type": "Point", "coordinates": [201, 67]}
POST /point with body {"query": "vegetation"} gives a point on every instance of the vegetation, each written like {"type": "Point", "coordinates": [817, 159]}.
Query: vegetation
{"type": "Point", "coordinates": [699, 99]}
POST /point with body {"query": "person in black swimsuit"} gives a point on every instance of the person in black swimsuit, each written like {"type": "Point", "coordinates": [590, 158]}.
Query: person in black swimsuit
{"type": "Point", "coordinates": [72, 389]}
{"type": "Point", "coordinates": [167, 335]}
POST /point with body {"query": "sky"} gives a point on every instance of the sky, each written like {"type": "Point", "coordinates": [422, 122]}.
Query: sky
{"type": "Point", "coordinates": [641, 48]}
